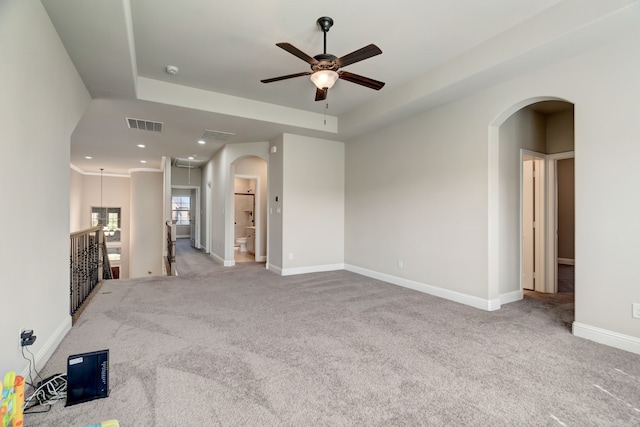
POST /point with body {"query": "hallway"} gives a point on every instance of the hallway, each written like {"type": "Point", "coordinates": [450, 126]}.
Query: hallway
{"type": "Point", "coordinates": [192, 261]}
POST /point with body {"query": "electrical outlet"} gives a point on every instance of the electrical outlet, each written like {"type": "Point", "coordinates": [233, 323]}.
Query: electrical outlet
{"type": "Point", "coordinates": [26, 337]}
{"type": "Point", "coordinates": [290, 255]}
{"type": "Point", "coordinates": [400, 263]}
{"type": "Point", "coordinates": [636, 310]}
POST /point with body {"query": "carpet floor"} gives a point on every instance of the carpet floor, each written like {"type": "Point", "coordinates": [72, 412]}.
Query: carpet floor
{"type": "Point", "coordinates": [242, 346]}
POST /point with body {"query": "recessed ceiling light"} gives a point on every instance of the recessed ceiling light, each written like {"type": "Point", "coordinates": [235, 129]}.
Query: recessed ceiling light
{"type": "Point", "coordinates": [88, 157]}
{"type": "Point", "coordinates": [141, 145]}
{"type": "Point", "coordinates": [191, 157]}
{"type": "Point", "coordinates": [201, 142]}
{"type": "Point", "coordinates": [143, 161]}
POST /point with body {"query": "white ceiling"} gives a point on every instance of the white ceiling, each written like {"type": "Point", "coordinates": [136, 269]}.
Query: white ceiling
{"type": "Point", "coordinates": [224, 48]}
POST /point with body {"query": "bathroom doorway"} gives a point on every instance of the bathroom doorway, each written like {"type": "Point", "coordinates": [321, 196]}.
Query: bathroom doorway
{"type": "Point", "coordinates": [247, 214]}
{"type": "Point", "coordinates": [244, 219]}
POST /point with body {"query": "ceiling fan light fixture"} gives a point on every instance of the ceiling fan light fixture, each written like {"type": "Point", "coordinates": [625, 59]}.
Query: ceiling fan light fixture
{"type": "Point", "coordinates": [324, 79]}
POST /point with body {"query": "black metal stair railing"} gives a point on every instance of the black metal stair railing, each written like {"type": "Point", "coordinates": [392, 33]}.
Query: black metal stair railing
{"type": "Point", "coordinates": [171, 246]}
{"type": "Point", "coordinates": [89, 265]}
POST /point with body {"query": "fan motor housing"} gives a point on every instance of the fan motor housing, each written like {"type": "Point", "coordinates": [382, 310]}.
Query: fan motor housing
{"type": "Point", "coordinates": [326, 61]}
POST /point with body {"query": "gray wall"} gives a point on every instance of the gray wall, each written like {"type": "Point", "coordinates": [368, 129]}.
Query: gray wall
{"type": "Point", "coordinates": [186, 176]}
{"type": "Point", "coordinates": [276, 178]}
{"type": "Point", "coordinates": [560, 133]}
{"type": "Point", "coordinates": [312, 204]}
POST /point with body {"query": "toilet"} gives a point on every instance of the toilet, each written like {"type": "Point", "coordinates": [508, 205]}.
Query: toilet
{"type": "Point", "coordinates": [242, 241]}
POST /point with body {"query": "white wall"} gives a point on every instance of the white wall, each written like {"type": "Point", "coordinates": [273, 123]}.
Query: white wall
{"type": "Point", "coordinates": [312, 204]}
{"type": "Point", "coordinates": [424, 190]}
{"type": "Point", "coordinates": [39, 85]}
{"type": "Point", "coordinates": [147, 224]}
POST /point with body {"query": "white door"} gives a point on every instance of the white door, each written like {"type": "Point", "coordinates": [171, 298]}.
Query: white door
{"type": "Point", "coordinates": [528, 225]}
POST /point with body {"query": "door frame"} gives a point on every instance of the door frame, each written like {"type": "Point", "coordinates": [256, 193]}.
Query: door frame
{"type": "Point", "coordinates": [552, 214]}
{"type": "Point", "coordinates": [547, 228]}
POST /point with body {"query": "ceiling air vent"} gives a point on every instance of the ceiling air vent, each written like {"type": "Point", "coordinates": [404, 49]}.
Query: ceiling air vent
{"type": "Point", "coordinates": [144, 125]}
{"type": "Point", "coordinates": [217, 135]}
{"type": "Point", "coordinates": [187, 163]}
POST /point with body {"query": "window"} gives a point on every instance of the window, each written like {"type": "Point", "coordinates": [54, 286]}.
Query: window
{"type": "Point", "coordinates": [111, 221]}
{"type": "Point", "coordinates": [114, 255]}
{"type": "Point", "coordinates": [181, 210]}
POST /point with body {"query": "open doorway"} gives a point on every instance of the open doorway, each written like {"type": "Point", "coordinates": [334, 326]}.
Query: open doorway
{"type": "Point", "coordinates": [248, 210]}
{"type": "Point", "coordinates": [244, 224]}
{"type": "Point", "coordinates": [539, 127]}
{"type": "Point", "coordinates": [547, 212]}
{"type": "Point", "coordinates": [185, 213]}
{"type": "Point", "coordinates": [544, 132]}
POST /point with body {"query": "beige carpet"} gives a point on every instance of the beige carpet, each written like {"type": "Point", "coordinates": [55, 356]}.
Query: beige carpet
{"type": "Point", "coordinates": [242, 346]}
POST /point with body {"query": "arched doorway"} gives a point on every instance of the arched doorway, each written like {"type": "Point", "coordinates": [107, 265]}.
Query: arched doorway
{"type": "Point", "coordinates": [533, 134]}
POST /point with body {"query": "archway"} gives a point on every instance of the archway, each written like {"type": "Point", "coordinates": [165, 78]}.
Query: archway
{"type": "Point", "coordinates": [511, 134]}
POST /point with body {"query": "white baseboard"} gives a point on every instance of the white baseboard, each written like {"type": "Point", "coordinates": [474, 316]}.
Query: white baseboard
{"type": "Point", "coordinates": [512, 296]}
{"type": "Point", "coordinates": [606, 337]}
{"type": "Point", "coordinates": [566, 261]}
{"type": "Point", "coordinates": [311, 269]}
{"type": "Point", "coordinates": [45, 352]}
{"type": "Point", "coordinates": [483, 304]}
{"type": "Point", "coordinates": [274, 268]}
{"type": "Point", "coordinates": [225, 262]}
{"type": "Point", "coordinates": [261, 258]}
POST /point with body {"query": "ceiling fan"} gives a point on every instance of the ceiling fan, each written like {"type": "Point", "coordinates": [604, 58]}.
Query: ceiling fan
{"type": "Point", "coordinates": [325, 68]}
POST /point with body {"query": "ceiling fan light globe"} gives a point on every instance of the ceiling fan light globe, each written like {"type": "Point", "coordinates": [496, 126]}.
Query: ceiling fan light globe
{"type": "Point", "coordinates": [324, 79]}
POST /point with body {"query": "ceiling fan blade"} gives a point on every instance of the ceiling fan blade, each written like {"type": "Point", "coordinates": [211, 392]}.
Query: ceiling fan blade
{"type": "Point", "coordinates": [321, 94]}
{"type": "Point", "coordinates": [361, 80]}
{"type": "Point", "coordinates": [297, 52]}
{"type": "Point", "coordinates": [290, 76]}
{"type": "Point", "coordinates": [359, 55]}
